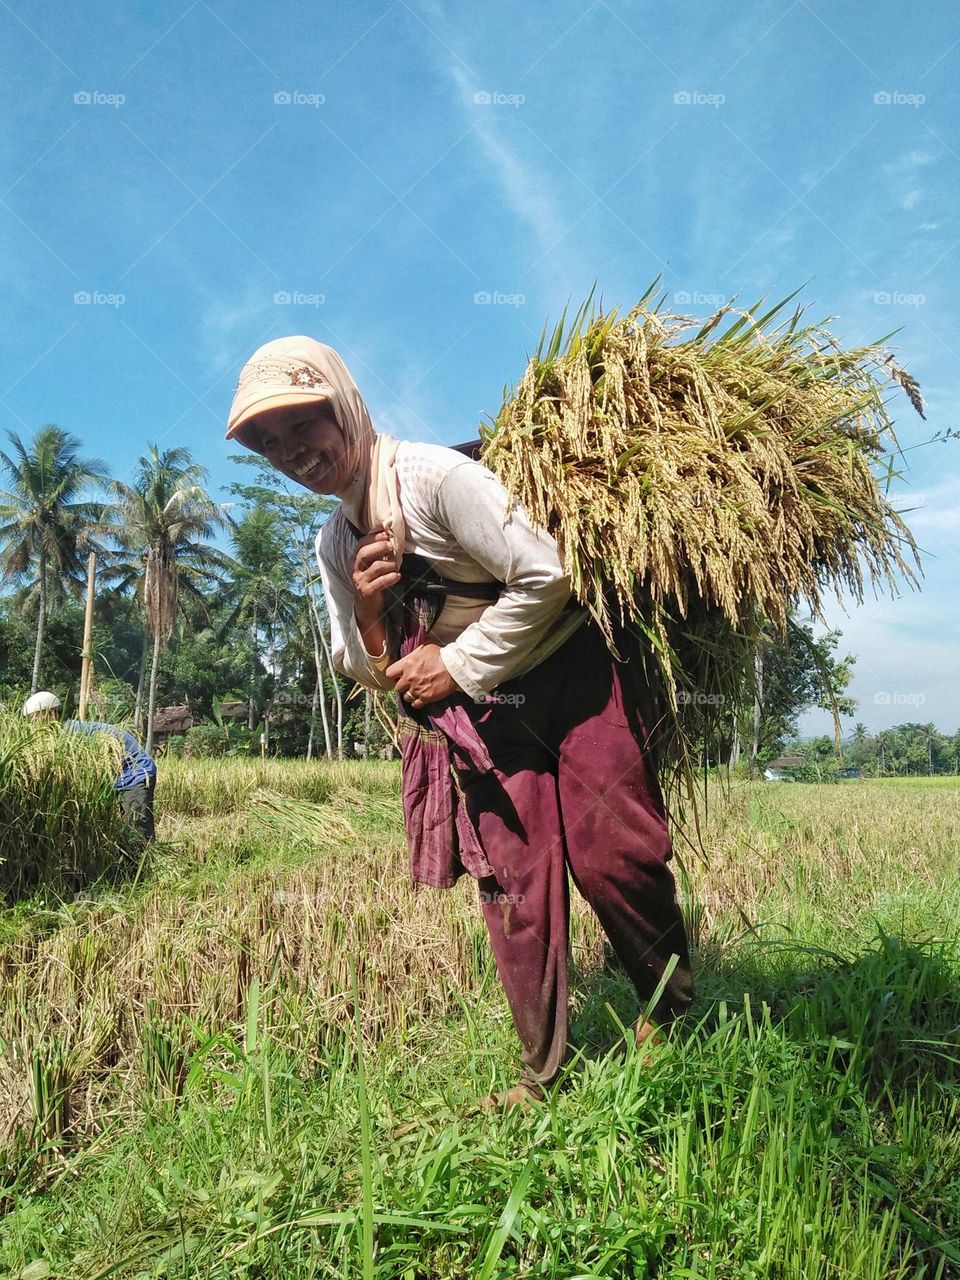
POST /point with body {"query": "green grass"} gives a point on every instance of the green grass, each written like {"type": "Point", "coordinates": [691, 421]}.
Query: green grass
{"type": "Point", "coordinates": [259, 1061]}
{"type": "Point", "coordinates": [949, 782]}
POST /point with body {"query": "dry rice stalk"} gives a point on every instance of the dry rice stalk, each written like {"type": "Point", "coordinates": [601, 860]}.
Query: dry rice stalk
{"type": "Point", "coordinates": [292, 819]}
{"type": "Point", "coordinates": [701, 487]}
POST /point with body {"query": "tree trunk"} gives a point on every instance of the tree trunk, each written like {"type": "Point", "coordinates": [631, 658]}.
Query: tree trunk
{"type": "Point", "coordinates": [338, 692]}
{"type": "Point", "coordinates": [41, 624]}
{"type": "Point", "coordinates": [324, 710]}
{"type": "Point", "coordinates": [141, 680]}
{"type": "Point", "coordinates": [757, 707]}
{"type": "Point", "coordinates": [251, 702]}
{"type": "Point", "coordinates": [367, 702]}
{"type": "Point", "coordinates": [152, 703]}
{"type": "Point", "coordinates": [313, 718]}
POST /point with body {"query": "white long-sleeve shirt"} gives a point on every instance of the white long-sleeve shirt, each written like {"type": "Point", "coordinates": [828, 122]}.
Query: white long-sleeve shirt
{"type": "Point", "coordinates": [459, 518]}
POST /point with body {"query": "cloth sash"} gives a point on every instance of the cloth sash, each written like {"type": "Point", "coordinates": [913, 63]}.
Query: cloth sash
{"type": "Point", "coordinates": [434, 739]}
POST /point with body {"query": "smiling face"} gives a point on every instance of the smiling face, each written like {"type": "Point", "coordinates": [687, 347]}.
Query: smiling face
{"type": "Point", "coordinates": [306, 444]}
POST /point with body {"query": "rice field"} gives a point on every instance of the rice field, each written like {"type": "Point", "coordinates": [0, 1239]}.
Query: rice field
{"type": "Point", "coordinates": [257, 1054]}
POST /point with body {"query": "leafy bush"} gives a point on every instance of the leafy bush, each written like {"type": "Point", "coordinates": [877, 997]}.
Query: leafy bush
{"type": "Point", "coordinates": [210, 740]}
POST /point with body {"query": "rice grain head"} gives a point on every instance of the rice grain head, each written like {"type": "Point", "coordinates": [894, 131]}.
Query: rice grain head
{"type": "Point", "coordinates": [703, 486]}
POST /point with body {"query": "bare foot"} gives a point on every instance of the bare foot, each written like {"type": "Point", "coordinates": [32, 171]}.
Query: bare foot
{"type": "Point", "coordinates": [521, 1095]}
{"type": "Point", "coordinates": [648, 1036]}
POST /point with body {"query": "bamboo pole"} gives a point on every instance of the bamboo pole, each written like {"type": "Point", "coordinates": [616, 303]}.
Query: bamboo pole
{"type": "Point", "coordinates": [86, 657]}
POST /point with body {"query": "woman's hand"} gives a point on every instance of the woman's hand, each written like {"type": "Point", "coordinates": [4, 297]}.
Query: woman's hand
{"type": "Point", "coordinates": [374, 569]}
{"type": "Point", "coordinates": [421, 676]}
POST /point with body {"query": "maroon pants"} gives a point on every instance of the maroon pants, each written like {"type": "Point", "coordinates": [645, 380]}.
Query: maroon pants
{"type": "Point", "coordinates": [572, 787]}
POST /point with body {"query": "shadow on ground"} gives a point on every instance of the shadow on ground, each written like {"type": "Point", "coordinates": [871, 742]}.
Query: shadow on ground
{"type": "Point", "coordinates": [894, 1005]}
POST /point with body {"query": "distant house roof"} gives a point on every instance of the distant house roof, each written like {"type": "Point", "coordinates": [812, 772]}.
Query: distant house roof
{"type": "Point", "coordinates": [233, 710]}
{"type": "Point", "coordinates": [786, 762]}
{"type": "Point", "coordinates": [172, 719]}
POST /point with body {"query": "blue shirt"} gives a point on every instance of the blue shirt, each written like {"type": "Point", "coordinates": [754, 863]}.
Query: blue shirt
{"type": "Point", "coordinates": [138, 767]}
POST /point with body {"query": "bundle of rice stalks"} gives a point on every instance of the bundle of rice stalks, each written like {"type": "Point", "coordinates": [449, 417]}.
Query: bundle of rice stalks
{"type": "Point", "coordinates": [701, 486]}
{"type": "Point", "coordinates": [60, 823]}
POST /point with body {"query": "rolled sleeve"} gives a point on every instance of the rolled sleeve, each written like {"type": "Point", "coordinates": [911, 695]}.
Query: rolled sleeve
{"type": "Point", "coordinates": [476, 508]}
{"type": "Point", "coordinates": [350, 656]}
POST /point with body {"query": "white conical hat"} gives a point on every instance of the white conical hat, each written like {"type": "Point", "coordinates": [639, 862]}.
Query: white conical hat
{"type": "Point", "coordinates": [41, 701]}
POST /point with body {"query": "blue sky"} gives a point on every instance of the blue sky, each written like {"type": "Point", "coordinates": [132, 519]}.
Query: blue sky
{"type": "Point", "coordinates": [211, 175]}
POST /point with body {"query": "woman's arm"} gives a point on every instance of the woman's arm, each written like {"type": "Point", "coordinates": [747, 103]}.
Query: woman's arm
{"type": "Point", "coordinates": [350, 654]}
{"type": "Point", "coordinates": [476, 508]}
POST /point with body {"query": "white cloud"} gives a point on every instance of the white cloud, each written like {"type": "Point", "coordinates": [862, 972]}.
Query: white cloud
{"type": "Point", "coordinates": [907, 660]}
{"type": "Point", "coordinates": [525, 189]}
{"type": "Point", "coordinates": [908, 648]}
{"type": "Point", "coordinates": [911, 199]}
{"type": "Point", "coordinates": [226, 323]}
{"type": "Point", "coordinates": [910, 162]}
{"type": "Point", "coordinates": [933, 514]}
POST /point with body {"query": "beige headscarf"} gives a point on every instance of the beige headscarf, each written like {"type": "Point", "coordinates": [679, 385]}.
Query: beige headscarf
{"type": "Point", "coordinates": [300, 370]}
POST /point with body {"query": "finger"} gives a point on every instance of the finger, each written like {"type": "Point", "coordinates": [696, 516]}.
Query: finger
{"type": "Point", "coordinates": [381, 540]}
{"type": "Point", "coordinates": [371, 586]}
{"type": "Point", "coordinates": [385, 564]}
{"type": "Point", "coordinates": [380, 550]}
{"type": "Point", "coordinates": [370, 579]}
{"type": "Point", "coordinates": [379, 569]}
{"type": "Point", "coordinates": [379, 547]}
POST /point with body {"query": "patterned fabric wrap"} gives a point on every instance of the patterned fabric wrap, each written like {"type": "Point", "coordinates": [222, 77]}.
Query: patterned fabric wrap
{"type": "Point", "coordinates": [442, 841]}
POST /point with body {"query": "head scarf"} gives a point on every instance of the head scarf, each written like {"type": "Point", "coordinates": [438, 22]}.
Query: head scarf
{"type": "Point", "coordinates": [300, 370]}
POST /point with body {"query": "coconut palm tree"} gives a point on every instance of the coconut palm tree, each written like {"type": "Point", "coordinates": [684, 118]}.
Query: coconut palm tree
{"type": "Point", "coordinates": [161, 524]}
{"type": "Point", "coordinates": [44, 522]}
{"type": "Point", "coordinates": [260, 585]}
{"type": "Point", "coordinates": [298, 514]}
{"type": "Point", "coordinates": [890, 745]}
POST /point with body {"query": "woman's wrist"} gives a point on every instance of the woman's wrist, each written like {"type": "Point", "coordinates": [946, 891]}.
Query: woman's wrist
{"type": "Point", "coordinates": [373, 631]}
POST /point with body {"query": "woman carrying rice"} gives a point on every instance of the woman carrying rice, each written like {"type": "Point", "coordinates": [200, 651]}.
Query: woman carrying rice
{"type": "Point", "coordinates": [524, 750]}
